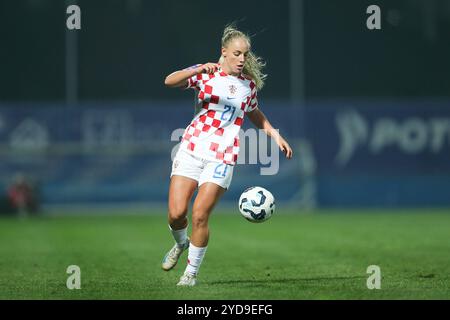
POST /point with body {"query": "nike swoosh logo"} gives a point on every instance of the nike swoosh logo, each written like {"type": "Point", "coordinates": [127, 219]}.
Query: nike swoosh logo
{"type": "Point", "coordinates": [231, 98]}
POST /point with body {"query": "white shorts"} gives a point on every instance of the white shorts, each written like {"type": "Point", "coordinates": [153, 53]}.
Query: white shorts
{"type": "Point", "coordinates": [201, 170]}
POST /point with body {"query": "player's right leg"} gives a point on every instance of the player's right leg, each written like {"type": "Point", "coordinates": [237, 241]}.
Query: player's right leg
{"type": "Point", "coordinates": [186, 170]}
{"type": "Point", "coordinates": [181, 191]}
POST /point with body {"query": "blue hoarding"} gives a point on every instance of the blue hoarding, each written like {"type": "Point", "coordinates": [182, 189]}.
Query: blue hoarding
{"type": "Point", "coordinates": [347, 152]}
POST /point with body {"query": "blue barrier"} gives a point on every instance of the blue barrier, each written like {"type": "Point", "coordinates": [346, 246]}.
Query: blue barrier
{"type": "Point", "coordinates": [347, 152]}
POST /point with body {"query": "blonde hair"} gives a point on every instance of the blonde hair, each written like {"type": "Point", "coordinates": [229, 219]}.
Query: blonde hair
{"type": "Point", "coordinates": [253, 64]}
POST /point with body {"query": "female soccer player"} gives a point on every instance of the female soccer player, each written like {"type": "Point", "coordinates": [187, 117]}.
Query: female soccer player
{"type": "Point", "coordinates": [210, 145]}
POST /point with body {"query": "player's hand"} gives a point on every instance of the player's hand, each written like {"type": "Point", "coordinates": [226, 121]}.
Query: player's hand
{"type": "Point", "coordinates": [285, 147]}
{"type": "Point", "coordinates": [208, 68]}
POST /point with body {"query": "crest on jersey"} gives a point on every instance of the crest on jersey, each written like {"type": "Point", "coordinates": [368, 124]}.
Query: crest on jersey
{"type": "Point", "coordinates": [233, 89]}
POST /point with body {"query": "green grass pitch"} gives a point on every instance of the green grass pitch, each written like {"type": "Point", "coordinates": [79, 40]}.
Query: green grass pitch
{"type": "Point", "coordinates": [321, 255]}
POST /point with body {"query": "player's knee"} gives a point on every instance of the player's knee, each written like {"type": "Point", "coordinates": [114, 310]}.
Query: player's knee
{"type": "Point", "coordinates": [177, 213]}
{"type": "Point", "coordinates": [199, 219]}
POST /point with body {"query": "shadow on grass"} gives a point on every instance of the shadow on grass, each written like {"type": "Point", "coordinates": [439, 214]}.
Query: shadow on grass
{"type": "Point", "coordinates": [282, 280]}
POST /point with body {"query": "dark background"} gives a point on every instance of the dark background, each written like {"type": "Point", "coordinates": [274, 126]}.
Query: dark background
{"type": "Point", "coordinates": [126, 48]}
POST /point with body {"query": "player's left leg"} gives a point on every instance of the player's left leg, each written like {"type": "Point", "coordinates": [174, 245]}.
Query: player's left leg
{"type": "Point", "coordinates": [207, 197]}
{"type": "Point", "coordinates": [214, 180]}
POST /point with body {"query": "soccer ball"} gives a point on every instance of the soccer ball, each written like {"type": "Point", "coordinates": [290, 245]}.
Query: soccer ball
{"type": "Point", "coordinates": [256, 204]}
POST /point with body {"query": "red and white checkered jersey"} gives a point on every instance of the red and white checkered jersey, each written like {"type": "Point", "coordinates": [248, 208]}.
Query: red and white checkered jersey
{"type": "Point", "coordinates": [223, 99]}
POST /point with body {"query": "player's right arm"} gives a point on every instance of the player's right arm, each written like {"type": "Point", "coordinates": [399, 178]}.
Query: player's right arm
{"type": "Point", "coordinates": [180, 78]}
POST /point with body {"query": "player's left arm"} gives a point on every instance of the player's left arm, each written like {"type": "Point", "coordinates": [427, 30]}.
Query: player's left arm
{"type": "Point", "coordinates": [260, 121]}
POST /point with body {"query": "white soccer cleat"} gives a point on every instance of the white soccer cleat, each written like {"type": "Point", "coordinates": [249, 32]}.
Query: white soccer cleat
{"type": "Point", "coordinates": [188, 280]}
{"type": "Point", "coordinates": [171, 258]}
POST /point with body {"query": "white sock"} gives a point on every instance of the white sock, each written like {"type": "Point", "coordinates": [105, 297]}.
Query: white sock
{"type": "Point", "coordinates": [180, 236]}
{"type": "Point", "coordinates": [195, 258]}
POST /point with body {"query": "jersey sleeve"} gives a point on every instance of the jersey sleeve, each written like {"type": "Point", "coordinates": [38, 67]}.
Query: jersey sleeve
{"type": "Point", "coordinates": [192, 82]}
{"type": "Point", "coordinates": [253, 101]}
